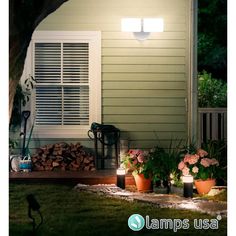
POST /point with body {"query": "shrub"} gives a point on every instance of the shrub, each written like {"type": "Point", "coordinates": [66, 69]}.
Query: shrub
{"type": "Point", "coordinates": [211, 92]}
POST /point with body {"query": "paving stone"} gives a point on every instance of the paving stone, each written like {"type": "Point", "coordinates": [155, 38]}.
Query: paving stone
{"type": "Point", "coordinates": [213, 208]}
{"type": "Point", "coordinates": [216, 191]}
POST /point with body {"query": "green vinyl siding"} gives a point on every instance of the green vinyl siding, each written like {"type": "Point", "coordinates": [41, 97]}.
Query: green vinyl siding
{"type": "Point", "coordinates": [113, 60]}
{"type": "Point", "coordinates": [149, 119]}
{"type": "Point", "coordinates": [144, 84]}
{"type": "Point", "coordinates": [140, 85]}
{"type": "Point", "coordinates": [168, 93]}
{"type": "Point", "coordinates": [150, 110]}
{"type": "Point", "coordinates": [167, 77]}
{"type": "Point", "coordinates": [143, 52]}
{"type": "Point", "coordinates": [141, 102]}
{"type": "Point", "coordinates": [134, 44]}
{"type": "Point", "coordinates": [157, 36]}
{"type": "Point", "coordinates": [143, 68]}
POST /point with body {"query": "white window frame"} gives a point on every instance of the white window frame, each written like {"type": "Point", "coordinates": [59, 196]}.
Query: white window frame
{"type": "Point", "coordinates": [94, 40]}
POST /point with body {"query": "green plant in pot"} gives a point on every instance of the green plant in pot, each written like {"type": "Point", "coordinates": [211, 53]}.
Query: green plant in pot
{"type": "Point", "coordinates": [135, 161]}
{"type": "Point", "coordinates": [163, 164]}
{"type": "Point", "coordinates": [218, 149]}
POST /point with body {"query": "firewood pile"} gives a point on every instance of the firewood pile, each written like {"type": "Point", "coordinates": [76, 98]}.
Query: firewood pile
{"type": "Point", "coordinates": [62, 156]}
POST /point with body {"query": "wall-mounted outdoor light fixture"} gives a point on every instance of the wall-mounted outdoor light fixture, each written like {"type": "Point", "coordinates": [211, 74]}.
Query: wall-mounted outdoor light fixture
{"type": "Point", "coordinates": [142, 27]}
{"type": "Point", "coordinates": [188, 185]}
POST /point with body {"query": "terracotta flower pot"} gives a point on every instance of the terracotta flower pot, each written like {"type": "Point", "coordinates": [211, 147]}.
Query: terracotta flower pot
{"type": "Point", "coordinates": [143, 184]}
{"type": "Point", "coordinates": [204, 186]}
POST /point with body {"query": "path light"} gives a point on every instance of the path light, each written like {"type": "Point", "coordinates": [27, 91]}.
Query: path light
{"type": "Point", "coordinates": [120, 174]}
{"type": "Point", "coordinates": [34, 205]}
{"type": "Point", "coordinates": [188, 185]}
{"type": "Point", "coordinates": [141, 27]}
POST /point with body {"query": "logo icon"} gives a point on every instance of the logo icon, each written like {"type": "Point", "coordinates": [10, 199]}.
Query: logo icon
{"type": "Point", "coordinates": [136, 222]}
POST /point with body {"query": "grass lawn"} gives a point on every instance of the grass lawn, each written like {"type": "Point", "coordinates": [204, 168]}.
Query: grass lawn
{"type": "Point", "coordinates": [67, 212]}
{"type": "Point", "coordinates": [219, 197]}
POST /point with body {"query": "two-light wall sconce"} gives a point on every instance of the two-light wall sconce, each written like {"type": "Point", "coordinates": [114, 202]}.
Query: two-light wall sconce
{"type": "Point", "coordinates": [142, 27]}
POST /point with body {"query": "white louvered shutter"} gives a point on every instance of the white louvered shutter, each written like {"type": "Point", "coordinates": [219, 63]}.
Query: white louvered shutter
{"type": "Point", "coordinates": [62, 91]}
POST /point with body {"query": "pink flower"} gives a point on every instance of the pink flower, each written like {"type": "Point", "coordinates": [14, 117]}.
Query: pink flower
{"type": "Point", "coordinates": [135, 162]}
{"type": "Point", "coordinates": [181, 165]}
{"type": "Point", "coordinates": [141, 158]}
{"type": "Point", "coordinates": [187, 157]}
{"type": "Point", "coordinates": [193, 159]}
{"type": "Point", "coordinates": [195, 170]}
{"type": "Point", "coordinates": [205, 162]}
{"type": "Point", "coordinates": [130, 151]}
{"type": "Point", "coordinates": [134, 153]}
{"type": "Point", "coordinates": [202, 153]}
{"type": "Point", "coordinates": [185, 170]}
{"type": "Point", "coordinates": [214, 162]}
{"type": "Point", "coordinates": [190, 164]}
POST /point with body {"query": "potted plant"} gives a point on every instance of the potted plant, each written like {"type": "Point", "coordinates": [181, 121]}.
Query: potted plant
{"type": "Point", "coordinates": [218, 149]}
{"type": "Point", "coordinates": [162, 163]}
{"type": "Point", "coordinates": [202, 167]}
{"type": "Point", "coordinates": [135, 161]}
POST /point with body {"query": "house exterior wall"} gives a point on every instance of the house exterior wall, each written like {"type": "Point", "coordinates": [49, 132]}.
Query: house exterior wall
{"type": "Point", "coordinates": [144, 83]}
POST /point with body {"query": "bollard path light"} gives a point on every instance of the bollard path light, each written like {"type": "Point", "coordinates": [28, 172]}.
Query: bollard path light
{"type": "Point", "coordinates": [188, 186]}
{"type": "Point", "coordinates": [120, 174]}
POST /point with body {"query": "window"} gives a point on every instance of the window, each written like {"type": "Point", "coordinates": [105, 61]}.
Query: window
{"type": "Point", "coordinates": [67, 97]}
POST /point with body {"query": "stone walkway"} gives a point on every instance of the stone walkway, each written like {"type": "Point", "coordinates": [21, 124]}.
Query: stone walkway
{"type": "Point", "coordinates": [213, 208]}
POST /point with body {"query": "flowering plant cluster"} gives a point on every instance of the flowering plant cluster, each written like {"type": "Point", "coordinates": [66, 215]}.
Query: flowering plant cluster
{"type": "Point", "coordinates": [135, 160]}
{"type": "Point", "coordinates": [199, 165]}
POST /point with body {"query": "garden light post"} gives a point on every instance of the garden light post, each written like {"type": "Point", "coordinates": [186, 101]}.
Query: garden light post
{"type": "Point", "coordinates": [188, 186]}
{"type": "Point", "coordinates": [34, 205]}
{"type": "Point", "coordinates": [120, 174]}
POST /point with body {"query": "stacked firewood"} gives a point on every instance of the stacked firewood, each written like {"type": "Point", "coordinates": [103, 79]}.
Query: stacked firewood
{"type": "Point", "coordinates": [62, 156]}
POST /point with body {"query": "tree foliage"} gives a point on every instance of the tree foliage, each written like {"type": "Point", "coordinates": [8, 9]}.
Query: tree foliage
{"type": "Point", "coordinates": [211, 92]}
{"type": "Point", "coordinates": [212, 37]}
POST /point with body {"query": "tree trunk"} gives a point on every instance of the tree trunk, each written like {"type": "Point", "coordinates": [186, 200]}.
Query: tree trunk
{"type": "Point", "coordinates": [12, 89]}
{"type": "Point", "coordinates": [24, 18]}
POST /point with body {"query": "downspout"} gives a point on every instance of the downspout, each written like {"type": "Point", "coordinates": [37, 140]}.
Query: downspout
{"type": "Point", "coordinates": [193, 82]}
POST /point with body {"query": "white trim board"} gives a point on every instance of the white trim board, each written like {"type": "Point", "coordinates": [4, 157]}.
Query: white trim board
{"type": "Point", "coordinates": [94, 40]}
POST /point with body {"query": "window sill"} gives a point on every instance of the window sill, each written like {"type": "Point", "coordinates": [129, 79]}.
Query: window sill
{"type": "Point", "coordinates": [61, 132]}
